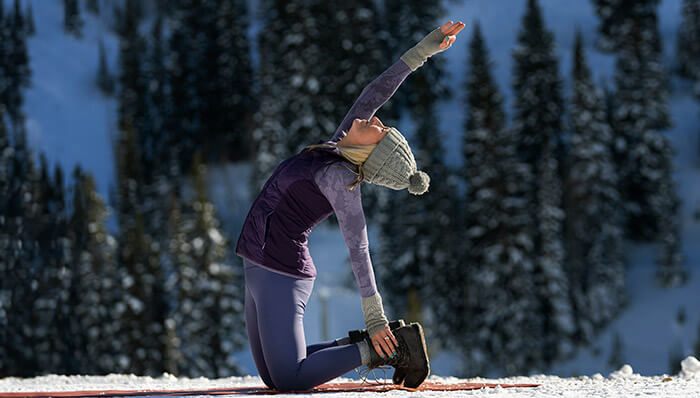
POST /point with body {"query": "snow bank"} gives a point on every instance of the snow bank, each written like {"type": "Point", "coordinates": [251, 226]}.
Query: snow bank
{"type": "Point", "coordinates": [690, 367]}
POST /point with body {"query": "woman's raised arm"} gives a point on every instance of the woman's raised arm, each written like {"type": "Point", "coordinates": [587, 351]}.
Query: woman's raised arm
{"type": "Point", "coordinates": [378, 92]}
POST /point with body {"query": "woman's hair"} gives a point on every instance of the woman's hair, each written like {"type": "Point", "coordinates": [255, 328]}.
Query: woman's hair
{"type": "Point", "coordinates": [355, 154]}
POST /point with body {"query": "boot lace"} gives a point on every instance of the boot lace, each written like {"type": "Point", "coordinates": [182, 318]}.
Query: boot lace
{"type": "Point", "coordinates": [365, 371]}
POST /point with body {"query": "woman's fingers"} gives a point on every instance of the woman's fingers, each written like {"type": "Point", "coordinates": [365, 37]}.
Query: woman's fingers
{"type": "Point", "coordinates": [382, 344]}
{"type": "Point", "coordinates": [389, 340]}
{"type": "Point", "coordinates": [454, 29]}
{"type": "Point", "coordinates": [379, 346]}
{"type": "Point", "coordinates": [445, 26]}
{"type": "Point", "coordinates": [393, 338]}
{"type": "Point", "coordinates": [448, 26]}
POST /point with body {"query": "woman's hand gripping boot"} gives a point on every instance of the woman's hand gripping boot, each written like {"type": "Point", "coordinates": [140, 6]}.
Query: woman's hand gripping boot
{"type": "Point", "coordinates": [361, 334]}
{"type": "Point", "coordinates": [411, 357]}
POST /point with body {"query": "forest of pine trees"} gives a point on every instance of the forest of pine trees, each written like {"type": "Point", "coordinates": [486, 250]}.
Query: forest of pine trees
{"type": "Point", "coordinates": [163, 295]}
{"type": "Point", "coordinates": [512, 260]}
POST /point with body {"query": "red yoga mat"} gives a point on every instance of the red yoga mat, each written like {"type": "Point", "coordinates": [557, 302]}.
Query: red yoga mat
{"type": "Point", "coordinates": [327, 387]}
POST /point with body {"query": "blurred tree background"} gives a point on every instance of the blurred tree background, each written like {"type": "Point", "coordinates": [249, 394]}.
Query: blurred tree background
{"type": "Point", "coordinates": [513, 260]}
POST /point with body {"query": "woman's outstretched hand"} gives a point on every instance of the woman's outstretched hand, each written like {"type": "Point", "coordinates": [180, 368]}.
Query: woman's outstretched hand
{"type": "Point", "coordinates": [438, 40]}
{"type": "Point", "coordinates": [450, 30]}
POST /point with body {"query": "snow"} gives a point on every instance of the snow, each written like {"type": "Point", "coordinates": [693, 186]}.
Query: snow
{"type": "Point", "coordinates": [622, 382]}
{"type": "Point", "coordinates": [691, 365]}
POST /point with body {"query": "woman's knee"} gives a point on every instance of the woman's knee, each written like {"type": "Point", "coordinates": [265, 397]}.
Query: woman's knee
{"type": "Point", "coordinates": [291, 382]}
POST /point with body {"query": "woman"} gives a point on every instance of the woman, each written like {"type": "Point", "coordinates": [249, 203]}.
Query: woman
{"type": "Point", "coordinates": [303, 191]}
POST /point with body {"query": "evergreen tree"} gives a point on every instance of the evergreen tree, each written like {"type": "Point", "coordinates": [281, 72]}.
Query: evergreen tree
{"type": "Point", "coordinates": [229, 96]}
{"type": "Point", "coordinates": [72, 20]}
{"type": "Point", "coordinates": [271, 134]}
{"type": "Point", "coordinates": [489, 232]}
{"type": "Point", "coordinates": [159, 106]}
{"type": "Point", "coordinates": [4, 65]}
{"type": "Point", "coordinates": [210, 296]}
{"type": "Point", "coordinates": [211, 79]}
{"type": "Point", "coordinates": [687, 46]}
{"type": "Point", "coordinates": [29, 15]}
{"type": "Point", "coordinates": [59, 293]}
{"type": "Point", "coordinates": [104, 80]}
{"type": "Point", "coordinates": [16, 67]}
{"type": "Point", "coordinates": [96, 278]}
{"type": "Point", "coordinates": [492, 272]}
{"type": "Point", "coordinates": [7, 240]}
{"type": "Point", "coordinates": [538, 111]}
{"type": "Point", "coordinates": [595, 262]}
{"type": "Point", "coordinates": [132, 85]}
{"type": "Point", "coordinates": [183, 122]}
{"type": "Point", "coordinates": [142, 320]}
{"type": "Point", "coordinates": [643, 155]}
{"type": "Point", "coordinates": [24, 349]}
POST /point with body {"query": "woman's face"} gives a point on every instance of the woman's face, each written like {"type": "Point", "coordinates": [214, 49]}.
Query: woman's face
{"type": "Point", "coordinates": [364, 132]}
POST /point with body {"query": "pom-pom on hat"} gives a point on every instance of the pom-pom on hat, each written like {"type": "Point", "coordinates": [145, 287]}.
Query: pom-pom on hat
{"type": "Point", "coordinates": [391, 164]}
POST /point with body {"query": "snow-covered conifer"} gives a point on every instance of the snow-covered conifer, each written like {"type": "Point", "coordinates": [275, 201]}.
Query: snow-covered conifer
{"type": "Point", "coordinates": [142, 320]}
{"type": "Point", "coordinates": [16, 65]}
{"type": "Point", "coordinates": [96, 278]}
{"type": "Point", "coordinates": [494, 276]}
{"type": "Point", "coordinates": [687, 43]}
{"type": "Point", "coordinates": [210, 297]}
{"type": "Point", "coordinates": [595, 262]}
{"type": "Point", "coordinates": [539, 106]}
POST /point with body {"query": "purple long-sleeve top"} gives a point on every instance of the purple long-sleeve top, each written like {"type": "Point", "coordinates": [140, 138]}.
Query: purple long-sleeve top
{"type": "Point", "coordinates": [333, 180]}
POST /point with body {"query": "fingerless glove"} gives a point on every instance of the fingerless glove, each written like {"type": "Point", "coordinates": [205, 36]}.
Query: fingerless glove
{"type": "Point", "coordinates": [430, 45]}
{"type": "Point", "coordinates": [374, 314]}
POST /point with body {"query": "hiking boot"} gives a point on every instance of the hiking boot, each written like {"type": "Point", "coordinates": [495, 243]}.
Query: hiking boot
{"type": "Point", "coordinates": [411, 357]}
{"type": "Point", "coordinates": [419, 367]}
{"type": "Point", "coordinates": [358, 335]}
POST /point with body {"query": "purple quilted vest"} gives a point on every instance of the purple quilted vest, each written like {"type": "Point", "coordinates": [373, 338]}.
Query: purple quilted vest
{"type": "Point", "coordinates": [280, 219]}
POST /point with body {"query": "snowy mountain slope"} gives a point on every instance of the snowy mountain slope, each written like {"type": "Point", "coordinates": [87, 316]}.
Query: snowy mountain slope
{"type": "Point", "coordinates": [72, 123]}
{"type": "Point", "coordinates": [67, 116]}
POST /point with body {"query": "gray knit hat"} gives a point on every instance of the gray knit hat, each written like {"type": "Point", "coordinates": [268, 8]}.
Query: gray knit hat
{"type": "Point", "coordinates": [391, 164]}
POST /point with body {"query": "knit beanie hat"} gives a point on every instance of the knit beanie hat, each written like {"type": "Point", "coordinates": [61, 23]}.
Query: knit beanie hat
{"type": "Point", "coordinates": [391, 164]}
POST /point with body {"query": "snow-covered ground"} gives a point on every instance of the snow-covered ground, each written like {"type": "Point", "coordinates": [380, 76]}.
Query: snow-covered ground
{"type": "Point", "coordinates": [622, 382]}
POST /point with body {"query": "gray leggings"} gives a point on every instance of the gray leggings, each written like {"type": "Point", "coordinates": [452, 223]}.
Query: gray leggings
{"type": "Point", "coordinates": [274, 314]}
